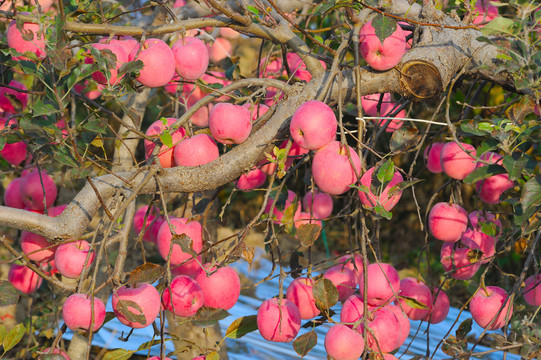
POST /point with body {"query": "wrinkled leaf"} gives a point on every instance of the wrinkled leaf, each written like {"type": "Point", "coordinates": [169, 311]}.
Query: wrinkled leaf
{"type": "Point", "coordinates": [145, 274]}
{"type": "Point", "coordinates": [464, 329]}
{"type": "Point", "coordinates": [325, 293]}
{"type": "Point", "coordinates": [147, 345]}
{"type": "Point", "coordinates": [118, 354]}
{"type": "Point", "coordinates": [515, 166]}
{"type": "Point", "coordinates": [404, 139]}
{"type": "Point", "coordinates": [308, 234]}
{"type": "Point", "coordinates": [206, 316]}
{"type": "Point", "coordinates": [531, 193]}
{"type": "Point", "coordinates": [484, 172]}
{"type": "Point", "coordinates": [3, 332]}
{"type": "Point", "coordinates": [386, 172]}
{"type": "Point", "coordinates": [213, 356]}
{"type": "Point", "coordinates": [380, 210]}
{"type": "Point", "coordinates": [474, 255]}
{"type": "Point", "coordinates": [131, 311]}
{"type": "Point", "coordinates": [8, 294]}
{"type": "Point", "coordinates": [13, 337]}
{"type": "Point", "coordinates": [185, 243]}
{"type": "Point", "coordinates": [413, 303]}
{"type": "Point", "coordinates": [132, 66]}
{"type": "Point", "coordinates": [385, 26]}
{"type": "Point", "coordinates": [401, 186]}
{"type": "Point", "coordinates": [304, 343]}
{"type": "Point", "coordinates": [242, 326]}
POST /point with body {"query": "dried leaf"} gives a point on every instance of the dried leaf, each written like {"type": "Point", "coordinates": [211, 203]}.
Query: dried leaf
{"type": "Point", "coordinates": [241, 327]}
{"type": "Point", "coordinates": [145, 274]}
{"type": "Point", "coordinates": [207, 316]}
{"type": "Point", "coordinates": [325, 293]}
{"type": "Point", "coordinates": [304, 343]}
{"type": "Point", "coordinates": [308, 234]}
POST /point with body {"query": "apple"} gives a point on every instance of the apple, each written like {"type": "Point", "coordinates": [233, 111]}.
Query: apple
{"type": "Point", "coordinates": [257, 110]}
{"type": "Point", "coordinates": [219, 50]}
{"type": "Point", "coordinates": [183, 297]}
{"type": "Point", "coordinates": [190, 268]}
{"type": "Point", "coordinates": [121, 58]}
{"type": "Point", "coordinates": [457, 258]}
{"type": "Point", "coordinates": [355, 263]}
{"type": "Point", "coordinates": [403, 322]}
{"type": "Point", "coordinates": [353, 310]}
{"type": "Point", "coordinates": [128, 43]}
{"type": "Point", "coordinates": [191, 58]}
{"type": "Point", "coordinates": [440, 307]}
{"type": "Point", "coordinates": [313, 125]}
{"type": "Point", "coordinates": [251, 180]}
{"type": "Point", "coordinates": [385, 332]}
{"type": "Point", "coordinates": [370, 104]}
{"type": "Point", "coordinates": [198, 150]}
{"type": "Point", "coordinates": [343, 278]}
{"type": "Point", "coordinates": [158, 63]}
{"type": "Point", "coordinates": [447, 222]}
{"type": "Point", "coordinates": [432, 156]}
{"type": "Point", "coordinates": [166, 154]}
{"type": "Point", "coordinates": [304, 219]}
{"type": "Point", "coordinates": [18, 42]}
{"type": "Point", "coordinates": [152, 225]}
{"type": "Point", "coordinates": [159, 357]}
{"type": "Point", "coordinates": [486, 243]}
{"type": "Point", "coordinates": [332, 170]}
{"type": "Point", "coordinates": [56, 210]}
{"type": "Point", "coordinates": [491, 307]}
{"type": "Point", "coordinates": [278, 320]}
{"type": "Point", "coordinates": [230, 124]}
{"type": "Point", "coordinates": [381, 56]}
{"type": "Point", "coordinates": [12, 194]}
{"type": "Point", "coordinates": [455, 162]}
{"type": "Point", "coordinates": [56, 352]}
{"type": "Point", "coordinates": [15, 101]}
{"type": "Point", "coordinates": [479, 218]}
{"type": "Point", "coordinates": [88, 90]}
{"type": "Point", "coordinates": [277, 213]}
{"type": "Point", "coordinates": [178, 3]}
{"type": "Point", "coordinates": [14, 153]}
{"type": "Point", "coordinates": [229, 33]}
{"type": "Point", "coordinates": [532, 290]}
{"type": "Point", "coordinates": [417, 290]}
{"type": "Point", "coordinates": [383, 283]}
{"type": "Point", "coordinates": [24, 279]}
{"type": "Point", "coordinates": [343, 343]}
{"type": "Point", "coordinates": [491, 188]}
{"type": "Point", "coordinates": [371, 200]}
{"type": "Point", "coordinates": [298, 67]}
{"type": "Point", "coordinates": [221, 286]}
{"type": "Point", "coordinates": [317, 203]}
{"type": "Point", "coordinates": [34, 194]}
{"type": "Point", "coordinates": [486, 12]}
{"type": "Point", "coordinates": [78, 314]}
{"type": "Point", "coordinates": [300, 293]}
{"type": "Point", "coordinates": [36, 247]}
{"type": "Point", "coordinates": [181, 226]}
{"type": "Point", "coordinates": [136, 307]}
{"type": "Point", "coordinates": [70, 258]}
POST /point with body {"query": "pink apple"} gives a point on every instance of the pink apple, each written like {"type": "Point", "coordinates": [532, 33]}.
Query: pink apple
{"type": "Point", "coordinates": [278, 321]}
{"type": "Point", "coordinates": [382, 284]}
{"type": "Point", "coordinates": [353, 310]}
{"type": "Point", "coordinates": [56, 210]}
{"type": "Point", "coordinates": [12, 194]}
{"type": "Point", "coordinates": [34, 194]}
{"type": "Point", "coordinates": [129, 44]}
{"type": "Point", "coordinates": [479, 218]}
{"type": "Point", "coordinates": [15, 101]}
{"type": "Point", "coordinates": [221, 287]}
{"type": "Point", "coordinates": [158, 63]}
{"type": "Point", "coordinates": [403, 322]}
{"type": "Point", "coordinates": [178, 3]}
{"type": "Point", "coordinates": [382, 198]}
{"type": "Point", "coordinates": [191, 58]}
{"type": "Point", "coordinates": [16, 41]}
{"type": "Point", "coordinates": [189, 268]}
{"type": "Point", "coordinates": [385, 332]}
{"type": "Point", "coordinates": [70, 258]}
{"type": "Point", "coordinates": [447, 222]}
{"type": "Point", "coordinates": [251, 180]}
{"type": "Point", "coordinates": [318, 203]}
{"type": "Point", "coordinates": [121, 58]}
{"type": "Point", "coordinates": [417, 290]}
{"type": "Point", "coordinates": [486, 243]}
{"type": "Point", "coordinates": [78, 314]}
{"type": "Point", "coordinates": [299, 292]}
{"type": "Point", "coordinates": [198, 150]}
{"type": "Point", "coordinates": [181, 226]}
{"type": "Point", "coordinates": [141, 303]}
{"type": "Point", "coordinates": [256, 110]}
{"type": "Point", "coordinates": [486, 12]}
{"type": "Point", "coordinates": [24, 279]}
{"type": "Point", "coordinates": [298, 67]}
{"type": "Point", "coordinates": [230, 124]}
{"type": "Point", "coordinates": [491, 188]}
{"type": "Point", "coordinates": [151, 226]}
{"type": "Point", "coordinates": [56, 352]}
{"type": "Point", "coordinates": [294, 153]}
{"type": "Point", "coordinates": [491, 307]}
{"type": "Point", "coordinates": [219, 50]}
{"type": "Point", "coordinates": [89, 89]}
{"type": "Point", "coordinates": [342, 343]}
{"type": "Point", "coordinates": [304, 219]}
{"type": "Point", "coordinates": [313, 125]}
{"type": "Point", "coordinates": [432, 156]}
{"type": "Point", "coordinates": [229, 33]}
{"type": "Point", "coordinates": [532, 291]}
{"type": "Point", "coordinates": [456, 258]}
{"type": "Point", "coordinates": [36, 247]}
{"type": "Point", "coordinates": [343, 278]}
{"type": "Point", "coordinates": [381, 56]}
{"type": "Point", "coordinates": [332, 170]}
{"type": "Point", "coordinates": [370, 104]}
{"type": "Point", "coordinates": [440, 308]}
{"type": "Point", "coordinates": [455, 162]}
{"type": "Point", "coordinates": [394, 124]}
{"type": "Point", "coordinates": [355, 263]}
{"type": "Point", "coordinates": [278, 213]}
{"type": "Point", "coordinates": [166, 153]}
{"type": "Point", "coordinates": [14, 153]}
{"type": "Point", "coordinates": [183, 297]}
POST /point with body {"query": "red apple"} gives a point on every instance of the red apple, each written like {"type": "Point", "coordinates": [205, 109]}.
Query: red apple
{"type": "Point", "coordinates": [15, 101]}
{"type": "Point", "coordinates": [251, 180]}
{"type": "Point", "coordinates": [383, 283]}
{"type": "Point", "coordinates": [432, 156]}
{"type": "Point", "coordinates": [166, 154]}
{"type": "Point", "coordinates": [36, 247]}
{"type": "Point", "coordinates": [33, 40]}
{"type": "Point", "coordinates": [342, 343]}
{"type": "Point", "coordinates": [138, 306]}
{"type": "Point", "coordinates": [14, 153]}
{"type": "Point", "coordinates": [278, 213]}
{"type": "Point", "coordinates": [344, 280]}
{"type": "Point", "coordinates": [24, 279]}
{"type": "Point", "coordinates": [299, 292]}
{"type": "Point", "coordinates": [183, 297]}
{"type": "Point", "coordinates": [458, 258]}
{"type": "Point", "coordinates": [219, 50]}
{"type": "Point", "coordinates": [355, 263]}
{"type": "Point", "coordinates": [158, 63]}
{"type": "Point", "coordinates": [34, 194]}
{"type": "Point", "coordinates": [278, 321]}
{"type": "Point", "coordinates": [403, 322]}
{"type": "Point", "coordinates": [480, 218]}
{"type": "Point", "coordinates": [532, 291]}
{"type": "Point", "coordinates": [221, 287]}
{"type": "Point", "coordinates": [455, 162]}
{"type": "Point", "coordinates": [486, 243]}
{"type": "Point", "coordinates": [385, 332]}
{"type": "Point", "coordinates": [317, 203]}
{"type": "Point", "coordinates": [198, 150]}
{"type": "Point", "coordinates": [191, 58]}
{"type": "Point", "coordinates": [121, 58]}
{"type": "Point", "coordinates": [78, 314]}
{"type": "Point", "coordinates": [313, 125]}
{"type": "Point", "coordinates": [382, 198]}
{"type": "Point", "coordinates": [12, 194]}
{"type": "Point", "coordinates": [417, 290]}
{"type": "Point", "coordinates": [440, 308]}
{"type": "Point", "coordinates": [181, 226]}
{"type": "Point", "coordinates": [378, 55]}
{"type": "Point", "coordinates": [447, 222]}
{"type": "Point", "coordinates": [230, 124]}
{"type": "Point", "coordinates": [70, 258]}
{"type": "Point", "coordinates": [491, 188]}
{"type": "Point", "coordinates": [491, 307]}
{"type": "Point", "coordinates": [370, 104]}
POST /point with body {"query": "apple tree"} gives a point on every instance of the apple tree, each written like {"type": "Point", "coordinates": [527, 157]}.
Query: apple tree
{"type": "Point", "coordinates": [396, 140]}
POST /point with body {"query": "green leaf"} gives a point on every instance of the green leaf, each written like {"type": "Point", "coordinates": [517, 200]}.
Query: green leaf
{"type": "Point", "coordinates": [484, 172]}
{"type": "Point", "coordinates": [380, 210]}
{"type": "Point", "coordinates": [401, 186]}
{"type": "Point", "coordinates": [308, 234]}
{"type": "Point", "coordinates": [8, 294]}
{"type": "Point", "coordinates": [386, 172]}
{"type": "Point", "coordinates": [304, 343]}
{"type": "Point", "coordinates": [242, 326]}
{"type": "Point", "coordinates": [118, 354]}
{"type": "Point", "coordinates": [147, 345]}
{"type": "Point", "coordinates": [531, 193]}
{"type": "Point", "coordinates": [362, 188]}
{"type": "Point", "coordinates": [207, 316]}
{"type": "Point", "coordinates": [166, 139]}
{"type": "Point", "coordinates": [132, 66]}
{"type": "Point", "coordinates": [464, 329]}
{"type": "Point", "coordinates": [40, 109]}
{"type": "Point", "coordinates": [324, 7]}
{"type": "Point", "coordinates": [498, 25]}
{"type": "Point", "coordinates": [213, 356]}
{"type": "Point", "coordinates": [514, 164]}
{"type": "Point", "coordinates": [385, 26]}
{"type": "Point", "coordinates": [13, 337]}
{"type": "Point", "coordinates": [253, 10]}
{"type": "Point", "coordinates": [145, 274]}
{"type": "Point", "coordinates": [3, 332]}
{"type": "Point", "coordinates": [325, 293]}
{"type": "Point", "coordinates": [2, 142]}
{"type": "Point", "coordinates": [413, 303]}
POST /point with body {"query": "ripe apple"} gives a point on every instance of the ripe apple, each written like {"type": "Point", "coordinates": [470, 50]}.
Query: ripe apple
{"type": "Point", "coordinates": [36, 247]}
{"type": "Point", "coordinates": [371, 200]}
{"type": "Point", "coordinates": [298, 67]}
{"type": "Point", "coordinates": [129, 44]}
{"type": "Point", "coordinates": [159, 63]}
{"type": "Point", "coordinates": [152, 225]}
{"type": "Point", "coordinates": [181, 226]}
{"type": "Point", "coordinates": [403, 322]}
{"type": "Point", "coordinates": [70, 258]}
{"type": "Point", "coordinates": [355, 263]}
{"type": "Point", "coordinates": [166, 153]}
{"type": "Point", "coordinates": [198, 150]}
{"type": "Point", "coordinates": [191, 58]}
{"type": "Point", "coordinates": [440, 308]}
{"type": "Point", "coordinates": [89, 90]}
{"type": "Point", "coordinates": [485, 306]}
{"type": "Point", "coordinates": [24, 279]}
{"type": "Point", "coordinates": [383, 283]}
{"type": "Point", "coordinates": [251, 180]}
{"type": "Point", "coordinates": [257, 110]}
{"type": "Point", "coordinates": [278, 213]}
{"type": "Point", "coordinates": [183, 297]}
{"type": "Point", "coordinates": [16, 41]}
{"type": "Point", "coordinates": [532, 290]}
{"type": "Point", "coordinates": [229, 33]}
{"type": "Point", "coordinates": [455, 258]}
{"type": "Point", "coordinates": [230, 124]}
{"type": "Point", "coordinates": [78, 315]}
{"type": "Point", "coordinates": [479, 218]}
{"type": "Point", "coordinates": [486, 243]}
{"type": "Point", "coordinates": [313, 125]}
{"type": "Point", "coordinates": [16, 152]}
{"type": "Point", "coordinates": [415, 289]}
{"type": "Point", "coordinates": [221, 287]}
{"type": "Point", "coordinates": [332, 170]}
{"type": "Point", "coordinates": [432, 156]}
{"type": "Point", "coordinates": [486, 12]}
{"type": "Point", "coordinates": [381, 56]}
{"type": "Point", "coordinates": [121, 58]}
{"type": "Point", "coordinates": [189, 268]}
{"type": "Point", "coordinates": [491, 188]}
{"type": "Point", "coordinates": [33, 193]}
{"type": "Point", "coordinates": [12, 194]}
{"type": "Point", "coordinates": [278, 321]}
{"type": "Point", "coordinates": [219, 50]}
{"type": "Point", "coordinates": [370, 104]}
{"type": "Point", "coordinates": [447, 222]}
{"type": "Point", "coordinates": [385, 332]}
{"type": "Point", "coordinates": [343, 278]}
{"type": "Point", "coordinates": [56, 352]}
{"type": "Point", "coordinates": [353, 310]}
{"type": "Point", "coordinates": [343, 343]}
{"type": "Point", "coordinates": [15, 101]}
{"type": "Point", "coordinates": [317, 203]}
{"type": "Point", "coordinates": [299, 292]}
{"type": "Point", "coordinates": [138, 306]}
{"type": "Point", "coordinates": [455, 162]}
